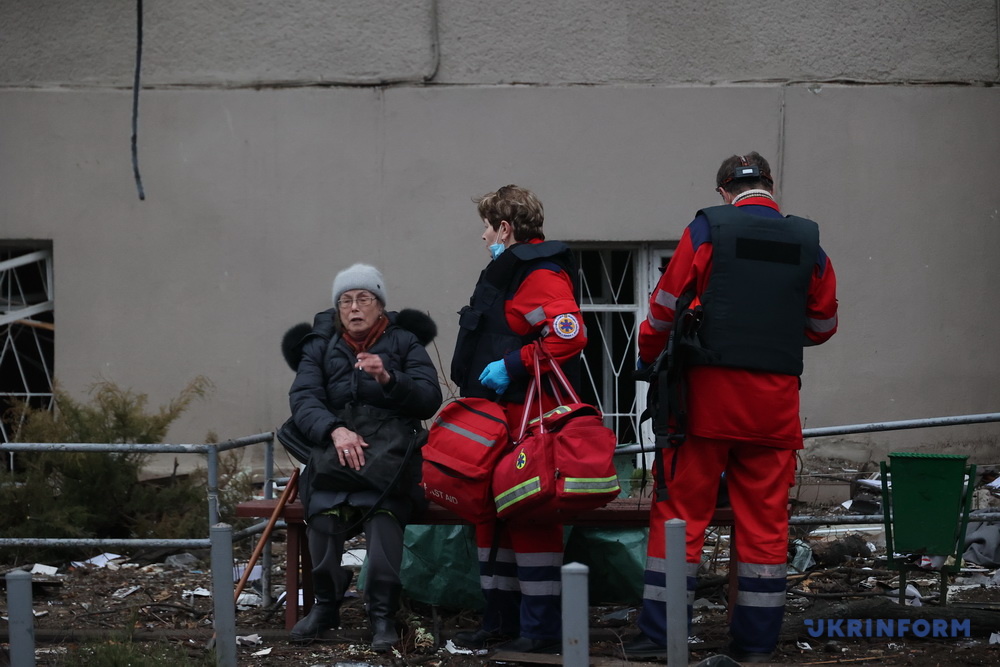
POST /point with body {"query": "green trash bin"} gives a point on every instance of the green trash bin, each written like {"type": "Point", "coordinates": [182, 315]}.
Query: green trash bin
{"type": "Point", "coordinates": [925, 505]}
{"type": "Point", "coordinates": [926, 496]}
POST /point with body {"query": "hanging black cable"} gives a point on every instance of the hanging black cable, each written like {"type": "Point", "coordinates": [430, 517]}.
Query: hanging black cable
{"type": "Point", "coordinates": [135, 101]}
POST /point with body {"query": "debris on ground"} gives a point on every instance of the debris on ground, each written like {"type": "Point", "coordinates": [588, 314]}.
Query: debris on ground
{"type": "Point", "coordinates": [837, 577]}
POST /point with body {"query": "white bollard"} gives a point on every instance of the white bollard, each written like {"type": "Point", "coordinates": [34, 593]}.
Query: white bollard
{"type": "Point", "coordinates": [21, 620]}
{"type": "Point", "coordinates": [676, 575]}
{"type": "Point", "coordinates": [222, 595]}
{"type": "Point", "coordinates": [575, 610]}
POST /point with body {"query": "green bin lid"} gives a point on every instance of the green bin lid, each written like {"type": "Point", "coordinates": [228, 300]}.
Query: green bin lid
{"type": "Point", "coordinates": [912, 455]}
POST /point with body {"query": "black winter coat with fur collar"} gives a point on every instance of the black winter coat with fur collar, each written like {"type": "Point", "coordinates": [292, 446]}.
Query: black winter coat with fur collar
{"type": "Point", "coordinates": [326, 380]}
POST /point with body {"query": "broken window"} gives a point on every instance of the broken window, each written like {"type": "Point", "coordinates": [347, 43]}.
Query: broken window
{"type": "Point", "coordinates": [27, 326]}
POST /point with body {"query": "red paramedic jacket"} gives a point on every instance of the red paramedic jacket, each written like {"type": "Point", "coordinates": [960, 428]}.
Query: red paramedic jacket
{"type": "Point", "coordinates": [733, 403]}
{"type": "Point", "coordinates": [543, 305]}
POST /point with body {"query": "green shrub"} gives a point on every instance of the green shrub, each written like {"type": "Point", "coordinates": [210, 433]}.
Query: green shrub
{"type": "Point", "coordinates": [100, 495]}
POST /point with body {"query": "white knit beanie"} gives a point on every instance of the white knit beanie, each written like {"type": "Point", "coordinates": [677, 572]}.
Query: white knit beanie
{"type": "Point", "coordinates": [359, 276]}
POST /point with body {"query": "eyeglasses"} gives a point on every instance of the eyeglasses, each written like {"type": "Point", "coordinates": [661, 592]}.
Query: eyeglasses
{"type": "Point", "coordinates": [363, 300]}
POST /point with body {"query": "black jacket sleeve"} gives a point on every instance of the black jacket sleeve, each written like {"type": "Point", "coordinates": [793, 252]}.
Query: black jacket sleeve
{"type": "Point", "coordinates": [307, 396]}
{"type": "Point", "coordinates": [416, 391]}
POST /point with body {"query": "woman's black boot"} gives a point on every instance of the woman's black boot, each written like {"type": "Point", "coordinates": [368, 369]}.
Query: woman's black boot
{"type": "Point", "coordinates": [322, 616]}
{"type": "Point", "coordinates": [383, 603]}
{"type": "Point", "coordinates": [325, 613]}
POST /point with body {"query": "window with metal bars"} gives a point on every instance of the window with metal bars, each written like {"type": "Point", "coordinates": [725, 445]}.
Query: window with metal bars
{"type": "Point", "coordinates": [615, 281]}
{"type": "Point", "coordinates": [27, 326]}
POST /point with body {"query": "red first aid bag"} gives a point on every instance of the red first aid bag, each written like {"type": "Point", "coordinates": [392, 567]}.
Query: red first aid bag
{"type": "Point", "coordinates": [463, 445]}
{"type": "Point", "coordinates": [562, 463]}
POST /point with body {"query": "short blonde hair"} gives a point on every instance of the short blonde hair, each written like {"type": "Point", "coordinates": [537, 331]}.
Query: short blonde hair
{"type": "Point", "coordinates": [518, 206]}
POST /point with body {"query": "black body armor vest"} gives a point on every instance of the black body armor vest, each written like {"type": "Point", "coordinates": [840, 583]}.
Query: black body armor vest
{"type": "Point", "coordinates": [754, 307]}
{"type": "Point", "coordinates": [483, 334]}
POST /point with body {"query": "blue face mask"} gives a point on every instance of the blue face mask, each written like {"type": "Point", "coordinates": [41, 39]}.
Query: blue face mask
{"type": "Point", "coordinates": [496, 249]}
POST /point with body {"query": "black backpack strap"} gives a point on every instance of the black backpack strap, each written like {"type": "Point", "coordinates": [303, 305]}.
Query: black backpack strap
{"type": "Point", "coordinates": [669, 395]}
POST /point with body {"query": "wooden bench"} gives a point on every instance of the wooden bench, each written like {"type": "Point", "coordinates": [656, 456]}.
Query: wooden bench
{"type": "Point", "coordinates": [619, 513]}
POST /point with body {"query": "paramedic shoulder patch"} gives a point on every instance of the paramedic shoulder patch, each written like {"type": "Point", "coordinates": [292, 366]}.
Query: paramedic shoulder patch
{"type": "Point", "coordinates": [566, 326]}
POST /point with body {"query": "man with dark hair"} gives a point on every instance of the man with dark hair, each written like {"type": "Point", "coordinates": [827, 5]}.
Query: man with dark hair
{"type": "Point", "coordinates": [745, 290]}
{"type": "Point", "coordinates": [524, 297]}
{"type": "Point", "coordinates": [741, 174]}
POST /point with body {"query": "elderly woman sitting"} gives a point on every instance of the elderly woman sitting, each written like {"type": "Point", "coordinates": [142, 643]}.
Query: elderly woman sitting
{"type": "Point", "coordinates": [357, 354]}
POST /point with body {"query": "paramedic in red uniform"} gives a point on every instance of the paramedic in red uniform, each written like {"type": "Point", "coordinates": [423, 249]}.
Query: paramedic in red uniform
{"type": "Point", "coordinates": [524, 295]}
{"type": "Point", "coordinates": [757, 288]}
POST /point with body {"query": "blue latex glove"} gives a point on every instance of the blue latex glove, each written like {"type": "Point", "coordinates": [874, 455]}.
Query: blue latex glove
{"type": "Point", "coordinates": [641, 365]}
{"type": "Point", "coordinates": [495, 377]}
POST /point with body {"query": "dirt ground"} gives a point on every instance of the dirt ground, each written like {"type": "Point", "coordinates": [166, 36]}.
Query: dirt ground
{"type": "Point", "coordinates": [154, 602]}
{"type": "Point", "coordinates": [85, 604]}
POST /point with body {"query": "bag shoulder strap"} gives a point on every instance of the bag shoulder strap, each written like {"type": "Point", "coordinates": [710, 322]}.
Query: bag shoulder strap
{"type": "Point", "coordinates": [388, 489]}
{"type": "Point", "coordinates": [496, 414]}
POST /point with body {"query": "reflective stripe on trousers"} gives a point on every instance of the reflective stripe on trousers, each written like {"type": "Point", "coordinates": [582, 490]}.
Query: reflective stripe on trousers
{"type": "Point", "coordinates": [653, 617]}
{"type": "Point", "coordinates": [523, 586]}
{"type": "Point", "coordinates": [501, 592]}
{"type": "Point", "coordinates": [541, 585]}
{"type": "Point", "coordinates": [499, 575]}
{"type": "Point", "coordinates": [760, 606]}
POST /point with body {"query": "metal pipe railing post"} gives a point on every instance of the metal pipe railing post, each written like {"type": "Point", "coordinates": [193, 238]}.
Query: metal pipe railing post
{"type": "Point", "coordinates": [575, 605]}
{"type": "Point", "coordinates": [21, 621]}
{"type": "Point", "coordinates": [212, 456]}
{"type": "Point", "coordinates": [269, 467]}
{"type": "Point", "coordinates": [222, 595]}
{"type": "Point", "coordinates": [676, 576]}
{"type": "Point", "coordinates": [266, 557]}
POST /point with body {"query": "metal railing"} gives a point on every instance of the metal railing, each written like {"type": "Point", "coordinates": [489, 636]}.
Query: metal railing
{"type": "Point", "coordinates": [211, 452]}
{"type": "Point", "coordinates": [872, 427]}
{"type": "Point", "coordinates": [221, 536]}
{"type": "Point", "coordinates": [219, 541]}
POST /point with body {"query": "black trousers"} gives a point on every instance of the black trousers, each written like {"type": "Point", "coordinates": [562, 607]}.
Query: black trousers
{"type": "Point", "coordinates": [327, 534]}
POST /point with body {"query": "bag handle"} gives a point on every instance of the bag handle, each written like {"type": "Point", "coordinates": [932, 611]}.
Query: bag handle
{"type": "Point", "coordinates": [557, 371]}
{"type": "Point", "coordinates": [533, 392]}
{"type": "Point", "coordinates": [534, 388]}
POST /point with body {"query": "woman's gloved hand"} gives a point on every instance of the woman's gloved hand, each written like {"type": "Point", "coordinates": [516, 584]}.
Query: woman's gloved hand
{"type": "Point", "coordinates": [495, 377]}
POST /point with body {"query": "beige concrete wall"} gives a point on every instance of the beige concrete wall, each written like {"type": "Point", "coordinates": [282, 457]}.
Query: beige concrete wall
{"type": "Point", "coordinates": [308, 42]}
{"type": "Point", "coordinates": [255, 198]}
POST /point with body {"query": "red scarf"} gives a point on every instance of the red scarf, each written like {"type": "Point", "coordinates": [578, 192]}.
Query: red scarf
{"type": "Point", "coordinates": [363, 344]}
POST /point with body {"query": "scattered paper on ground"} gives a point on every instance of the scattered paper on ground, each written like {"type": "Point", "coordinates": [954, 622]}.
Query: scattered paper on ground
{"type": "Point", "coordinates": [98, 561]}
